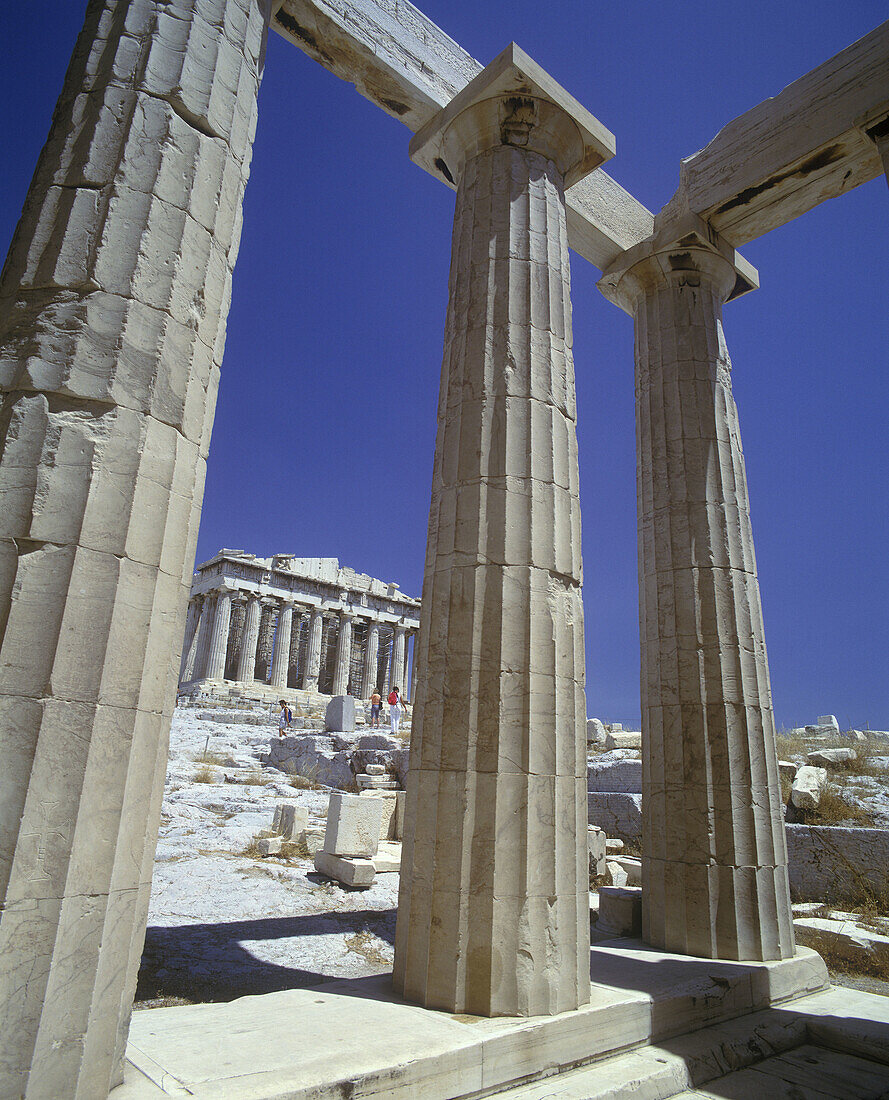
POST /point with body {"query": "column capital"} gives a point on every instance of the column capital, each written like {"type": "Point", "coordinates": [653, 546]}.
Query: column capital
{"type": "Point", "coordinates": [513, 101]}
{"type": "Point", "coordinates": [681, 250]}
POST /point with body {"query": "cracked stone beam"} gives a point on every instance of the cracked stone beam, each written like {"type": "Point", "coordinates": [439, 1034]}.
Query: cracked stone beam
{"type": "Point", "coordinates": [820, 137]}
{"type": "Point", "coordinates": [400, 60]}
{"type": "Point", "coordinates": [113, 303]}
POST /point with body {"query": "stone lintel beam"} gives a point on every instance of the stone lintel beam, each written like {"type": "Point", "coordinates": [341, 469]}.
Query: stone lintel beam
{"type": "Point", "coordinates": [809, 143]}
{"type": "Point", "coordinates": [672, 235]}
{"type": "Point", "coordinates": [400, 60]}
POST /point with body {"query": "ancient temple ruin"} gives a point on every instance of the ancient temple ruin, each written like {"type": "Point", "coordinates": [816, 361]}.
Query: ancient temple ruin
{"type": "Point", "coordinates": [113, 306]}
{"type": "Point", "coordinates": [287, 623]}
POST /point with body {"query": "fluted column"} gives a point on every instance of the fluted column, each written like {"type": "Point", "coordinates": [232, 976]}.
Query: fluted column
{"type": "Point", "coordinates": [281, 655]}
{"type": "Point", "coordinates": [396, 675]}
{"type": "Point", "coordinates": [370, 658]}
{"type": "Point", "coordinates": [113, 302]}
{"type": "Point", "coordinates": [191, 627]}
{"type": "Point", "coordinates": [247, 662]}
{"type": "Point", "coordinates": [313, 655]}
{"type": "Point", "coordinates": [205, 634]}
{"type": "Point", "coordinates": [714, 858]}
{"type": "Point", "coordinates": [189, 657]}
{"type": "Point", "coordinates": [493, 915]}
{"type": "Point", "coordinates": [219, 634]}
{"type": "Point", "coordinates": [343, 655]}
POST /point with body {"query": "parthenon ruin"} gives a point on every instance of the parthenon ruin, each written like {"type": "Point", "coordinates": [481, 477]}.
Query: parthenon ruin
{"type": "Point", "coordinates": [298, 623]}
{"type": "Point", "coordinates": [113, 306]}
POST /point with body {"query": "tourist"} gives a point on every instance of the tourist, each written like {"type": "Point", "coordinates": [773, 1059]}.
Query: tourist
{"type": "Point", "coordinates": [394, 709]}
{"type": "Point", "coordinates": [376, 705]}
{"type": "Point", "coordinates": [284, 718]}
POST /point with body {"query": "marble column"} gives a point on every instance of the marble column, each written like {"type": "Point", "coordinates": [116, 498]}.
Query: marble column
{"type": "Point", "coordinates": [343, 655]}
{"type": "Point", "coordinates": [189, 657]}
{"type": "Point", "coordinates": [493, 913]}
{"type": "Point", "coordinates": [205, 635]}
{"type": "Point", "coordinates": [292, 678]}
{"type": "Point", "coordinates": [396, 675]}
{"type": "Point", "coordinates": [247, 662]}
{"type": "Point", "coordinates": [219, 634]}
{"type": "Point", "coordinates": [281, 655]}
{"type": "Point", "coordinates": [313, 655]}
{"type": "Point", "coordinates": [263, 667]}
{"type": "Point", "coordinates": [714, 858]}
{"type": "Point", "coordinates": [191, 627]}
{"type": "Point", "coordinates": [370, 659]}
{"type": "Point", "coordinates": [113, 302]}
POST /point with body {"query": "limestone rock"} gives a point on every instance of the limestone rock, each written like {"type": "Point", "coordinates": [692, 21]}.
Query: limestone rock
{"type": "Point", "coordinates": [596, 841]}
{"type": "Point", "coordinates": [616, 873]}
{"type": "Point", "coordinates": [631, 867]}
{"type": "Point", "coordinates": [831, 758]}
{"type": "Point", "coordinates": [269, 846]}
{"type": "Point", "coordinates": [808, 786]}
{"type": "Point", "coordinates": [620, 740]}
{"type": "Point", "coordinates": [289, 820]}
{"type": "Point", "coordinates": [595, 732]}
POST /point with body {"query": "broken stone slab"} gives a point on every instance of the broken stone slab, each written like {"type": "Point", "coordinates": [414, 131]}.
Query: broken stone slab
{"type": "Point", "coordinates": [376, 782]}
{"type": "Point", "coordinates": [378, 741]}
{"type": "Point", "coordinates": [623, 741]}
{"type": "Point", "coordinates": [787, 769]}
{"type": "Point", "coordinates": [340, 714]}
{"type": "Point", "coordinates": [808, 786]}
{"type": "Point", "coordinates": [829, 720]}
{"type": "Point", "coordinates": [354, 871]}
{"type": "Point", "coordinates": [831, 758]}
{"type": "Point", "coordinates": [269, 846]}
{"type": "Point", "coordinates": [631, 867]}
{"type": "Point", "coordinates": [376, 769]}
{"type": "Point", "coordinates": [289, 820]}
{"type": "Point", "coordinates": [615, 874]}
{"type": "Point", "coordinates": [846, 937]}
{"type": "Point", "coordinates": [596, 842]}
{"type": "Point", "coordinates": [620, 815]}
{"type": "Point", "coordinates": [620, 910]}
{"type": "Point", "coordinates": [595, 732]}
{"type": "Point", "coordinates": [353, 825]}
{"type": "Point", "coordinates": [388, 857]}
{"type": "Point", "coordinates": [313, 839]}
{"type": "Point", "coordinates": [613, 845]}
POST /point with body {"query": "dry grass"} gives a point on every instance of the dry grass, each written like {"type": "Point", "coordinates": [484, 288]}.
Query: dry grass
{"type": "Point", "coordinates": [204, 775]}
{"type": "Point", "coordinates": [842, 959]}
{"type": "Point", "coordinates": [366, 944]}
{"type": "Point", "coordinates": [786, 787]}
{"type": "Point", "coordinates": [254, 778]}
{"type": "Point", "coordinates": [209, 758]}
{"type": "Point", "coordinates": [834, 809]}
{"type": "Point", "coordinates": [791, 745]}
{"type": "Point", "coordinates": [308, 779]}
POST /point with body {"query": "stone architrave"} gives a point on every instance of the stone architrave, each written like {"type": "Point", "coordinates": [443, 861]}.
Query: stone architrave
{"type": "Point", "coordinates": [343, 655]}
{"type": "Point", "coordinates": [371, 653]}
{"type": "Point", "coordinates": [493, 914]}
{"type": "Point", "coordinates": [714, 855]}
{"type": "Point", "coordinates": [247, 663]}
{"type": "Point", "coordinates": [219, 635]}
{"type": "Point", "coordinates": [113, 303]}
{"type": "Point", "coordinates": [281, 656]}
{"type": "Point", "coordinates": [396, 674]}
{"type": "Point", "coordinates": [313, 656]}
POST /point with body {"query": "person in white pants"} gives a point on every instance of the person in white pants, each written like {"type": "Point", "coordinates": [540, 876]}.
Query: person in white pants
{"type": "Point", "coordinates": [394, 709]}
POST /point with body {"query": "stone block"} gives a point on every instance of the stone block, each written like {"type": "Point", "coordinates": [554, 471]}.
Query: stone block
{"type": "Point", "coordinates": [353, 825]}
{"type": "Point", "coordinates": [290, 820]}
{"type": "Point", "coordinates": [340, 715]}
{"type": "Point", "coordinates": [595, 732]}
{"type": "Point", "coordinates": [313, 839]}
{"type": "Point", "coordinates": [831, 759]}
{"type": "Point", "coordinates": [596, 842]}
{"type": "Point", "coordinates": [829, 720]}
{"type": "Point", "coordinates": [613, 845]}
{"type": "Point", "coordinates": [376, 783]}
{"type": "Point", "coordinates": [619, 776]}
{"type": "Point", "coordinates": [376, 769]}
{"type": "Point", "coordinates": [807, 787]}
{"type": "Point", "coordinates": [787, 769]}
{"type": "Point", "coordinates": [349, 870]}
{"type": "Point", "coordinates": [620, 910]}
{"type": "Point", "coordinates": [620, 815]}
{"type": "Point", "coordinates": [831, 862]}
{"type": "Point", "coordinates": [388, 857]}
{"type": "Point", "coordinates": [400, 797]}
{"type": "Point", "coordinates": [623, 741]}
{"type": "Point", "coordinates": [269, 846]}
{"type": "Point", "coordinates": [388, 803]}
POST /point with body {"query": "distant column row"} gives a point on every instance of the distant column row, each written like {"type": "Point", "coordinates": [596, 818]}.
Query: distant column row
{"type": "Point", "coordinates": [245, 637]}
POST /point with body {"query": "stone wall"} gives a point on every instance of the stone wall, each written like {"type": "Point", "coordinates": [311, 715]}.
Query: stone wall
{"type": "Point", "coordinates": [615, 775]}
{"type": "Point", "coordinates": [830, 863]}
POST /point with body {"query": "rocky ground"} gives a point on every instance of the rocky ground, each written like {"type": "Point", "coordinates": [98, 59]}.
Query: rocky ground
{"type": "Point", "coordinates": [223, 923]}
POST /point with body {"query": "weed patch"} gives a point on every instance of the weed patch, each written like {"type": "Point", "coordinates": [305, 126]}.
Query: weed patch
{"type": "Point", "coordinates": [834, 809]}
{"type": "Point", "coordinates": [204, 775]}
{"type": "Point", "coordinates": [366, 945]}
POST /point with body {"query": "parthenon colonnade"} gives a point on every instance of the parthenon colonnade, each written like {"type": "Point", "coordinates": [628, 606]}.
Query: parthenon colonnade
{"type": "Point", "coordinates": [249, 615]}
{"type": "Point", "coordinates": [113, 304]}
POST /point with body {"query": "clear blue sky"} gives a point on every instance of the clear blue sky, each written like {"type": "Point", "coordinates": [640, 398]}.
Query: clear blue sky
{"type": "Point", "coordinates": [326, 416]}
